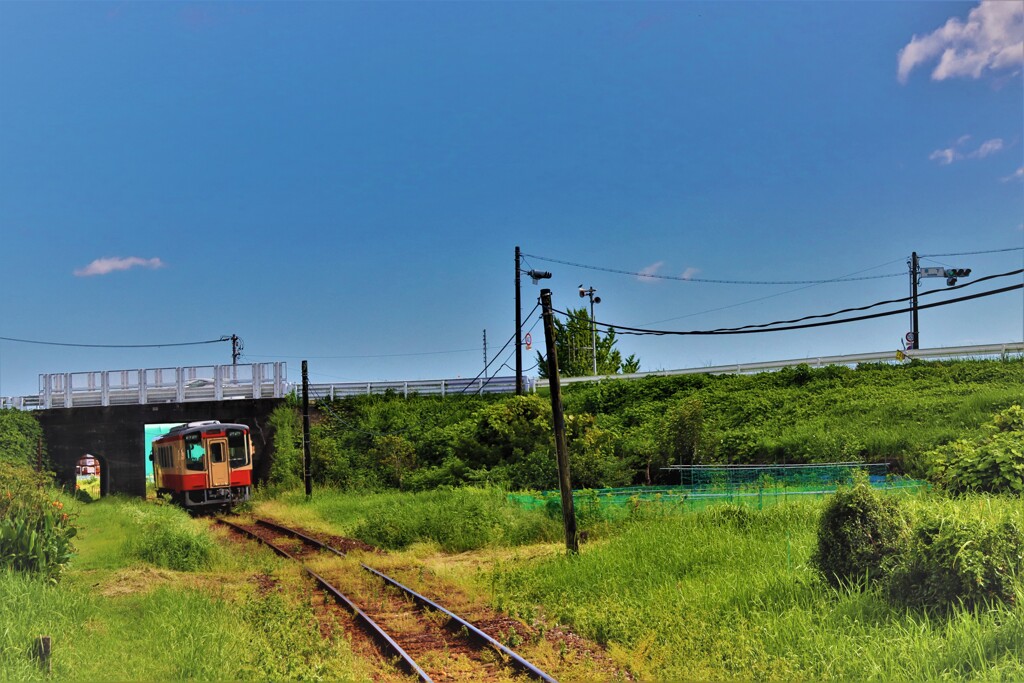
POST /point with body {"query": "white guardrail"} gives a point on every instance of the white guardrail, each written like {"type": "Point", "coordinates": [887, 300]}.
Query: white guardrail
{"type": "Point", "coordinates": [948, 352]}
{"type": "Point", "coordinates": [155, 385]}
{"type": "Point", "coordinates": [269, 380]}
{"type": "Point", "coordinates": [426, 387]}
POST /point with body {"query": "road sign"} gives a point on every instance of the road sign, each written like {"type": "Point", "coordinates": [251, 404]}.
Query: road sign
{"type": "Point", "coordinates": [529, 341]}
{"type": "Point", "coordinates": [911, 338]}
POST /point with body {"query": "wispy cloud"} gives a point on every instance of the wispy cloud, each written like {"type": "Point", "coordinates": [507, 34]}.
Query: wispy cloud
{"type": "Point", "coordinates": [991, 39]}
{"type": "Point", "coordinates": [1016, 175]}
{"type": "Point", "coordinates": [645, 273]}
{"type": "Point", "coordinates": [104, 266]}
{"type": "Point", "coordinates": [689, 273]}
{"type": "Point", "coordinates": [957, 151]}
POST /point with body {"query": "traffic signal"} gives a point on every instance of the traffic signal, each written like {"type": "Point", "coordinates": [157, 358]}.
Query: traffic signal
{"type": "Point", "coordinates": [953, 273]}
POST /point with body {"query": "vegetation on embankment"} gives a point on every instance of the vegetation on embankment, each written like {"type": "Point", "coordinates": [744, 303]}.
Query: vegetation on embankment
{"type": "Point", "coordinates": [621, 432]}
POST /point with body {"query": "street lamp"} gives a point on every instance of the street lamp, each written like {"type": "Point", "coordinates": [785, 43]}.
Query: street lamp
{"type": "Point", "coordinates": [593, 325]}
{"type": "Point", "coordinates": [536, 276]}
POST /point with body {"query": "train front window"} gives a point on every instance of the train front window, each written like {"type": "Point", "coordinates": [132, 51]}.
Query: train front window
{"type": "Point", "coordinates": [217, 452]}
{"type": "Point", "coordinates": [238, 448]}
{"type": "Point", "coordinates": [194, 452]}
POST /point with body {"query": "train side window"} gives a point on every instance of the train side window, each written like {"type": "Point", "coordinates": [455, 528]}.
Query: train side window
{"type": "Point", "coordinates": [194, 452]}
{"type": "Point", "coordinates": [217, 451]}
{"type": "Point", "coordinates": [237, 448]}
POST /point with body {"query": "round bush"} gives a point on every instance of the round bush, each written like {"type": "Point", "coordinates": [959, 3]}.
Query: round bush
{"type": "Point", "coordinates": [953, 561]}
{"type": "Point", "coordinates": [859, 536]}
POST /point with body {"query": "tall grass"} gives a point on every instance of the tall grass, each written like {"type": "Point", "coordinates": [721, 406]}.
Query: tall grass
{"type": "Point", "coordinates": [727, 593]}
{"type": "Point", "coordinates": [111, 619]}
{"type": "Point", "coordinates": [457, 520]}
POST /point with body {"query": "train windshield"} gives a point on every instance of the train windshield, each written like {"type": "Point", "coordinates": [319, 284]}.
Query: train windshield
{"type": "Point", "coordinates": [194, 452]}
{"type": "Point", "coordinates": [238, 448]}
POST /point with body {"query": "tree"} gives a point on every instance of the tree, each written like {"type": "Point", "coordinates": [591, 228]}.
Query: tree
{"type": "Point", "coordinates": [573, 344]}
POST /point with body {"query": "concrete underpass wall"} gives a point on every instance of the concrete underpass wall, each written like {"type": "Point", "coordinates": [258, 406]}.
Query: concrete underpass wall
{"type": "Point", "coordinates": [116, 435]}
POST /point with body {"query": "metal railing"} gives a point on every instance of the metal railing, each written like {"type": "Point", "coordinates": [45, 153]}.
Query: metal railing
{"type": "Point", "coordinates": [949, 352]}
{"type": "Point", "coordinates": [427, 387]}
{"type": "Point", "coordinates": [156, 385]}
{"type": "Point", "coordinates": [269, 380]}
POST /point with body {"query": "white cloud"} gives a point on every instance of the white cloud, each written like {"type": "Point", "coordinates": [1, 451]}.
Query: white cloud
{"type": "Point", "coordinates": [956, 152]}
{"type": "Point", "coordinates": [689, 273]}
{"type": "Point", "coordinates": [1016, 175]}
{"type": "Point", "coordinates": [991, 39]}
{"type": "Point", "coordinates": [103, 266]}
{"type": "Point", "coordinates": [646, 273]}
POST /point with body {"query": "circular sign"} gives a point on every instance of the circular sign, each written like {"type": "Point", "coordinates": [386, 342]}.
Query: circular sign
{"type": "Point", "coordinates": [911, 337]}
{"type": "Point", "coordinates": [529, 341]}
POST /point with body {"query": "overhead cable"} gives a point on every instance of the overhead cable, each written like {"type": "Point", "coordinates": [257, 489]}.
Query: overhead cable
{"type": "Point", "coordinates": [971, 253]}
{"type": "Point", "coordinates": [621, 329]}
{"type": "Point", "coordinates": [880, 303]}
{"type": "Point", "coordinates": [115, 346]}
{"type": "Point", "coordinates": [682, 278]}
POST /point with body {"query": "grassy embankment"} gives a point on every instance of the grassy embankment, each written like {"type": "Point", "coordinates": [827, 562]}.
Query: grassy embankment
{"type": "Point", "coordinates": [722, 593]}
{"type": "Point", "coordinates": [151, 596]}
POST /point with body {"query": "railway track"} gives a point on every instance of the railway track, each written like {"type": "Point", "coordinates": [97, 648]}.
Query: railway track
{"type": "Point", "coordinates": [425, 641]}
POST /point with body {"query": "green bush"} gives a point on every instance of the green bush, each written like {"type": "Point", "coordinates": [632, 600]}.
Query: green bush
{"type": "Point", "coordinates": [953, 561]}
{"type": "Point", "coordinates": [35, 531]}
{"type": "Point", "coordinates": [166, 536]}
{"type": "Point", "coordinates": [859, 535]}
{"type": "Point", "coordinates": [993, 463]}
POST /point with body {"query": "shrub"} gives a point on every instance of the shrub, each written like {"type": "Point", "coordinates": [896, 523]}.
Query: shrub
{"type": "Point", "coordinates": [35, 531]}
{"type": "Point", "coordinates": [951, 561]}
{"type": "Point", "coordinates": [859, 534]}
{"type": "Point", "coordinates": [993, 463]}
{"type": "Point", "coordinates": [166, 536]}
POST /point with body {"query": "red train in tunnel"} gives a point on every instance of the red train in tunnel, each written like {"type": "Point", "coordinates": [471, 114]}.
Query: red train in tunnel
{"type": "Point", "coordinates": [204, 465]}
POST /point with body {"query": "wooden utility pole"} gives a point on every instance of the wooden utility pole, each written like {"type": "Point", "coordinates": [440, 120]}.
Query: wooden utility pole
{"type": "Point", "coordinates": [564, 482]}
{"type": "Point", "coordinates": [307, 459]}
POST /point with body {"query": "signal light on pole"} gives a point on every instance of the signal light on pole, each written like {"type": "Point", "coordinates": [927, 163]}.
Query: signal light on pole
{"type": "Point", "coordinates": [953, 273]}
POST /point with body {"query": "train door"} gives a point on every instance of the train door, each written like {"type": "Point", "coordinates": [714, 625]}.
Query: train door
{"type": "Point", "coordinates": [219, 472]}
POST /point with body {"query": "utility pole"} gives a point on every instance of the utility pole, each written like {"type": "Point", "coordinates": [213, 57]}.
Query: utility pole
{"type": "Point", "coordinates": [593, 324]}
{"type": "Point", "coordinates": [519, 333]}
{"type": "Point", "coordinates": [558, 418]}
{"type": "Point", "coordinates": [236, 348]}
{"type": "Point", "coordinates": [307, 459]}
{"type": "Point", "coordinates": [914, 276]}
{"type": "Point", "coordinates": [536, 276]}
{"type": "Point", "coordinates": [485, 354]}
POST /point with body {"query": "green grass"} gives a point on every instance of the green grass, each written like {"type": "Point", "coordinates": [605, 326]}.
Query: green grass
{"type": "Point", "coordinates": [727, 594]}
{"type": "Point", "coordinates": [457, 520]}
{"type": "Point", "coordinates": [118, 616]}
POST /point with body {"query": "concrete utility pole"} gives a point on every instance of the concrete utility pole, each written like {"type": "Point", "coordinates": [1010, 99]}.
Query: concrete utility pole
{"type": "Point", "coordinates": [914, 277]}
{"type": "Point", "coordinates": [536, 276]}
{"type": "Point", "coordinates": [572, 542]}
{"type": "Point", "coordinates": [593, 324]}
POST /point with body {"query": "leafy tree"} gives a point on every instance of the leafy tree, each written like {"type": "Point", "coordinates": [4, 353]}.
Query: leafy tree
{"type": "Point", "coordinates": [20, 435]}
{"type": "Point", "coordinates": [574, 346]}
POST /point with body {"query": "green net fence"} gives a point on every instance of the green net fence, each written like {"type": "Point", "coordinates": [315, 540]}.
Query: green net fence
{"type": "Point", "coordinates": [752, 485]}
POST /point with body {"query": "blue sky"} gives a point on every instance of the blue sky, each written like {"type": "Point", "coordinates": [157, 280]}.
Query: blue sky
{"type": "Point", "coordinates": [347, 182]}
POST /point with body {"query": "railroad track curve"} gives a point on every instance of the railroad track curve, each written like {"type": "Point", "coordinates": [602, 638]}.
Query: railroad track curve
{"type": "Point", "coordinates": [415, 649]}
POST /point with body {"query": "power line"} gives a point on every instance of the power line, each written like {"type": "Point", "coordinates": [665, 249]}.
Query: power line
{"type": "Point", "coordinates": [379, 355]}
{"type": "Point", "coordinates": [681, 278]}
{"type": "Point", "coordinates": [971, 253]}
{"type": "Point", "coordinates": [751, 330]}
{"type": "Point", "coordinates": [877, 303]}
{"type": "Point", "coordinates": [115, 346]}
{"type": "Point", "coordinates": [762, 298]}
